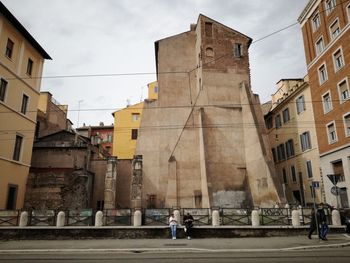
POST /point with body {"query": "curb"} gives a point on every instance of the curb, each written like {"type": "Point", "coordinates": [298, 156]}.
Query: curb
{"type": "Point", "coordinates": [167, 250]}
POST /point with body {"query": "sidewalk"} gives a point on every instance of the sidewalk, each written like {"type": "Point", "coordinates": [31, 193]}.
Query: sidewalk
{"type": "Point", "coordinates": [163, 245]}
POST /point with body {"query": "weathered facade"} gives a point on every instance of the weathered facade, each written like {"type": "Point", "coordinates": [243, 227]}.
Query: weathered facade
{"type": "Point", "coordinates": [325, 26]}
{"type": "Point", "coordinates": [203, 142]}
{"type": "Point", "coordinates": [62, 172]}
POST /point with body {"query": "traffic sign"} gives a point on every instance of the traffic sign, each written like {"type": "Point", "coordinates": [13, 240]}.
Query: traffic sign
{"type": "Point", "coordinates": [334, 178]}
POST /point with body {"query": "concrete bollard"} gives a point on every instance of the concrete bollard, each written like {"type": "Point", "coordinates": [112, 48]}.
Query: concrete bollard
{"type": "Point", "coordinates": [295, 218]}
{"type": "Point", "coordinates": [336, 218]}
{"type": "Point", "coordinates": [23, 220]}
{"type": "Point", "coordinates": [137, 218]}
{"type": "Point", "coordinates": [177, 216]}
{"type": "Point", "coordinates": [255, 218]}
{"type": "Point", "coordinates": [215, 218]}
{"type": "Point", "coordinates": [61, 218]}
{"type": "Point", "coordinates": [99, 219]}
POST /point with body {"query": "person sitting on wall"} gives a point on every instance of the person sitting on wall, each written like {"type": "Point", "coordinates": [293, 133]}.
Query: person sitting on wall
{"type": "Point", "coordinates": [188, 221]}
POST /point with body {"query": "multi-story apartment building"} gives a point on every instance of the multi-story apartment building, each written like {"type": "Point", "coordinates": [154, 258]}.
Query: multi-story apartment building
{"type": "Point", "coordinates": [101, 136]}
{"type": "Point", "coordinates": [21, 66]}
{"type": "Point", "coordinates": [292, 136]}
{"type": "Point", "coordinates": [325, 26]}
{"type": "Point", "coordinates": [126, 127]}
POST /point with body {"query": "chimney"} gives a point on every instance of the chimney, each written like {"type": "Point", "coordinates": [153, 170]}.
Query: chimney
{"type": "Point", "coordinates": [193, 27]}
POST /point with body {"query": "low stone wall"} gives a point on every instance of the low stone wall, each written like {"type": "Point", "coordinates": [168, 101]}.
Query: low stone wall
{"type": "Point", "coordinates": [61, 233]}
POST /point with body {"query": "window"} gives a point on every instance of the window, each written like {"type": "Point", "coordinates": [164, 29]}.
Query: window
{"type": "Point", "coordinates": [278, 122]}
{"type": "Point", "coordinates": [281, 154]}
{"type": "Point", "coordinates": [305, 141]}
{"type": "Point", "coordinates": [208, 29]}
{"type": "Point", "coordinates": [319, 46]}
{"type": "Point", "coordinates": [155, 89]}
{"type": "Point", "coordinates": [347, 124]}
{"type": "Point", "coordinates": [135, 116]}
{"type": "Point", "coordinates": [237, 50]}
{"type": "Point", "coordinates": [17, 149]}
{"type": "Point", "coordinates": [348, 8]}
{"type": "Point", "coordinates": [109, 137]}
{"type": "Point", "coordinates": [294, 174]}
{"type": "Point", "coordinates": [330, 5]}
{"type": "Point", "coordinates": [284, 174]}
{"type": "Point", "coordinates": [343, 89]}
{"type": "Point", "coordinates": [290, 148]}
{"type": "Point", "coordinates": [312, 190]}
{"type": "Point", "coordinates": [332, 135]}
{"type": "Point", "coordinates": [134, 134]}
{"type": "Point", "coordinates": [286, 117]}
{"type": "Point", "coordinates": [334, 29]}
{"type": "Point", "coordinates": [338, 60]}
{"type": "Point", "coordinates": [11, 197]}
{"type": "Point", "coordinates": [25, 99]}
{"type": "Point", "coordinates": [316, 22]}
{"type": "Point", "coordinates": [268, 122]}
{"type": "Point", "coordinates": [309, 169]}
{"type": "Point", "coordinates": [209, 52]}
{"type": "Point", "coordinates": [3, 87]}
{"type": "Point", "coordinates": [274, 154]}
{"type": "Point", "coordinates": [108, 149]}
{"type": "Point", "coordinates": [322, 74]}
{"type": "Point", "coordinates": [29, 67]}
{"type": "Point", "coordinates": [300, 102]}
{"type": "Point", "coordinates": [327, 103]}
{"type": "Point", "coordinates": [9, 48]}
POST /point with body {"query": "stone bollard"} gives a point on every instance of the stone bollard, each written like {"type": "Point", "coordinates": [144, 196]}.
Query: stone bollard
{"type": "Point", "coordinates": [215, 218]}
{"type": "Point", "coordinates": [336, 218]}
{"type": "Point", "coordinates": [23, 220]}
{"type": "Point", "coordinates": [177, 216]}
{"type": "Point", "coordinates": [287, 206]}
{"type": "Point", "coordinates": [61, 218]}
{"type": "Point", "coordinates": [137, 218]}
{"type": "Point", "coordinates": [255, 218]}
{"type": "Point", "coordinates": [99, 218]}
{"type": "Point", "coordinates": [295, 218]}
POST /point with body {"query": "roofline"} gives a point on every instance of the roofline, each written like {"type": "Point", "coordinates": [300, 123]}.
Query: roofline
{"type": "Point", "coordinates": [95, 127]}
{"type": "Point", "coordinates": [297, 79]}
{"type": "Point", "coordinates": [306, 10]}
{"type": "Point", "coordinates": [130, 106]}
{"type": "Point", "coordinates": [250, 40]}
{"type": "Point", "coordinates": [13, 20]}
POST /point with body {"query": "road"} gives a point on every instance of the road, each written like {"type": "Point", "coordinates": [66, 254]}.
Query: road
{"type": "Point", "coordinates": [335, 255]}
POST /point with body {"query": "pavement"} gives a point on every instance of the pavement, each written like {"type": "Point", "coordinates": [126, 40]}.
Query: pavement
{"type": "Point", "coordinates": [253, 244]}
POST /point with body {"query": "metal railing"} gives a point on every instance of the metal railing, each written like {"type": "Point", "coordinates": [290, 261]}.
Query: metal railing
{"type": "Point", "coordinates": [159, 217]}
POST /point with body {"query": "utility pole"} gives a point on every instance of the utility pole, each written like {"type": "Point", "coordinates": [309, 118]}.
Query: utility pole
{"type": "Point", "coordinates": [80, 101]}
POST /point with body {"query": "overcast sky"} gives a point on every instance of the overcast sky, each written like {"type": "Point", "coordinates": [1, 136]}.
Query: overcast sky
{"type": "Point", "coordinates": [117, 36]}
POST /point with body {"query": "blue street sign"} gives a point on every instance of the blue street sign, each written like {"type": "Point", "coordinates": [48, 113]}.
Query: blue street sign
{"type": "Point", "coordinates": [316, 184]}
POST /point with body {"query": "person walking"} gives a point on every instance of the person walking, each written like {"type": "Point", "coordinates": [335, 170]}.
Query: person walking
{"type": "Point", "coordinates": [323, 222]}
{"type": "Point", "coordinates": [173, 225]}
{"type": "Point", "coordinates": [188, 220]}
{"type": "Point", "coordinates": [313, 223]}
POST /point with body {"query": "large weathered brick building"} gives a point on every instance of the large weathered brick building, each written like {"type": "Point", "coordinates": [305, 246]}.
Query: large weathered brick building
{"type": "Point", "coordinates": [203, 142]}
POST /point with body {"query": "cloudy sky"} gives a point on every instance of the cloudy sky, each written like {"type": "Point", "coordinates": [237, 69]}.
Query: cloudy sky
{"type": "Point", "coordinates": [98, 37]}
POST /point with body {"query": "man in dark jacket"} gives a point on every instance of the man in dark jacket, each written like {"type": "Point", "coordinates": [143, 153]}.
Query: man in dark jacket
{"type": "Point", "coordinates": [188, 221]}
{"type": "Point", "coordinates": [321, 223]}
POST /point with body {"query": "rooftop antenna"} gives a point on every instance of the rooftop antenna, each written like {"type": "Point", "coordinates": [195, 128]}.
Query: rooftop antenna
{"type": "Point", "coordinates": [141, 94]}
{"type": "Point", "coordinates": [127, 102]}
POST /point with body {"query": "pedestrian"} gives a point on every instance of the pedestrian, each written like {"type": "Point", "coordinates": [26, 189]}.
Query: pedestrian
{"type": "Point", "coordinates": [173, 225]}
{"type": "Point", "coordinates": [313, 223]}
{"type": "Point", "coordinates": [188, 220]}
{"type": "Point", "coordinates": [321, 216]}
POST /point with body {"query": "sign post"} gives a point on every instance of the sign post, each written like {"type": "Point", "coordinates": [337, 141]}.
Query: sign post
{"type": "Point", "coordinates": [315, 184]}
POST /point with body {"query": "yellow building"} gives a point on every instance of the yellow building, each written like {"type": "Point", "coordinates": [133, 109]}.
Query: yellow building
{"type": "Point", "coordinates": [127, 122]}
{"type": "Point", "coordinates": [153, 90]}
{"type": "Point", "coordinates": [21, 65]}
{"type": "Point", "coordinates": [126, 126]}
